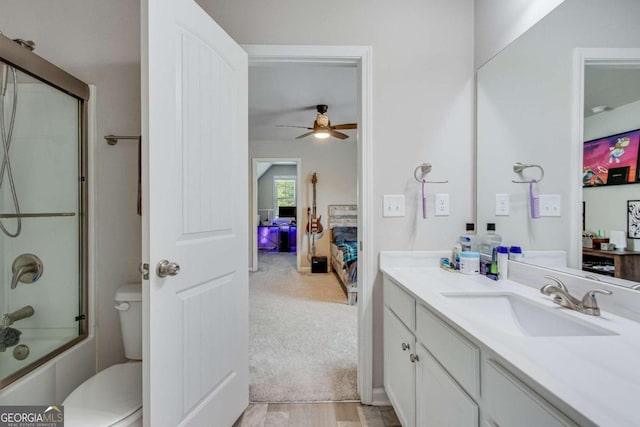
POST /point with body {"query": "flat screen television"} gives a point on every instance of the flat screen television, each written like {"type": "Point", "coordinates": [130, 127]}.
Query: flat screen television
{"type": "Point", "coordinates": [286, 211]}
{"type": "Point", "coordinates": [611, 160]}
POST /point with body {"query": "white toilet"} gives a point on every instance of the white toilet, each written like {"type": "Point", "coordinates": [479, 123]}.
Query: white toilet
{"type": "Point", "coordinates": [113, 397]}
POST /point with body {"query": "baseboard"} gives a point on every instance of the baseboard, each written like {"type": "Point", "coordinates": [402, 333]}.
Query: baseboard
{"type": "Point", "coordinates": [305, 270]}
{"type": "Point", "coordinates": [379, 397]}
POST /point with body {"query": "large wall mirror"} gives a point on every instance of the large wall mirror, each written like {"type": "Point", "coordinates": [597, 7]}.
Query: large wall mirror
{"type": "Point", "coordinates": [535, 105]}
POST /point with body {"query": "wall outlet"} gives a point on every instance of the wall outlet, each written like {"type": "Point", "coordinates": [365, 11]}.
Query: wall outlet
{"type": "Point", "coordinates": [393, 205]}
{"type": "Point", "coordinates": [502, 204]}
{"type": "Point", "coordinates": [550, 205]}
{"type": "Point", "coordinates": [442, 204]}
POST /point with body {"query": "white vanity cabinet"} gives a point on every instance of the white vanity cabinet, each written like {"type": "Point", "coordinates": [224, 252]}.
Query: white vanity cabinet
{"type": "Point", "coordinates": [421, 390]}
{"type": "Point", "coordinates": [433, 372]}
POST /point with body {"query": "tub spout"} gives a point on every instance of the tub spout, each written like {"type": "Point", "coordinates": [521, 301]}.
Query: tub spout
{"type": "Point", "coordinates": [19, 314]}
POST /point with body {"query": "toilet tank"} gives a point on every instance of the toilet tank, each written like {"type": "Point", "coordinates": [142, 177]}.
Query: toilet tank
{"type": "Point", "coordinates": [129, 305]}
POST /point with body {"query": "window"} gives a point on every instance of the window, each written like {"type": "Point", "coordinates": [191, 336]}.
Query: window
{"type": "Point", "coordinates": [284, 191]}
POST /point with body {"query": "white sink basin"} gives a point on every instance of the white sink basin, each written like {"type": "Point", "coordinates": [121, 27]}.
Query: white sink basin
{"type": "Point", "coordinates": [516, 315]}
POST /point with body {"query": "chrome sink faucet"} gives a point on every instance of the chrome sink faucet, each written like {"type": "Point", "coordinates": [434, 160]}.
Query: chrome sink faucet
{"type": "Point", "coordinates": [562, 297]}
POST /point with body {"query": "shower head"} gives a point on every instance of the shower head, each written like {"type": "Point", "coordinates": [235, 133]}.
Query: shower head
{"type": "Point", "coordinates": [4, 78]}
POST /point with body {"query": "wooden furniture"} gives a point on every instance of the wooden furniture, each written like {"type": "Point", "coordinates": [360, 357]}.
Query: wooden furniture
{"type": "Point", "coordinates": [626, 264]}
{"type": "Point", "coordinates": [343, 216]}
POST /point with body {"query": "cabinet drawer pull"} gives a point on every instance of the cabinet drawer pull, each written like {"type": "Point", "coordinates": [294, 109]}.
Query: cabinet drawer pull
{"type": "Point", "coordinates": [405, 346]}
{"type": "Point", "coordinates": [414, 358]}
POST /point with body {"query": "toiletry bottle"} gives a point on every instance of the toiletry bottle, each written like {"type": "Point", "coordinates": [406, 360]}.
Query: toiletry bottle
{"type": "Point", "coordinates": [468, 240]}
{"type": "Point", "coordinates": [515, 253]}
{"type": "Point", "coordinates": [455, 256]}
{"type": "Point", "coordinates": [493, 269]}
{"type": "Point", "coordinates": [503, 262]}
{"type": "Point", "coordinates": [490, 240]}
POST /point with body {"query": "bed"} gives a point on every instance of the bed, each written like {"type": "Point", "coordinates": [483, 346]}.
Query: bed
{"type": "Point", "coordinates": [343, 220]}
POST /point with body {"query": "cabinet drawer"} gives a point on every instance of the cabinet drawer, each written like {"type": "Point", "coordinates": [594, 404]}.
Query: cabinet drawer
{"type": "Point", "coordinates": [400, 302]}
{"type": "Point", "coordinates": [511, 403]}
{"type": "Point", "coordinates": [454, 352]}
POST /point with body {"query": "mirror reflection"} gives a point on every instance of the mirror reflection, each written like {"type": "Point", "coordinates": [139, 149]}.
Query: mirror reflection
{"type": "Point", "coordinates": [530, 110]}
{"type": "Point", "coordinates": [610, 173]}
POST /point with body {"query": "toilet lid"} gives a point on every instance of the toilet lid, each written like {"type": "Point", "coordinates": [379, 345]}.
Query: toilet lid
{"type": "Point", "coordinates": [105, 398]}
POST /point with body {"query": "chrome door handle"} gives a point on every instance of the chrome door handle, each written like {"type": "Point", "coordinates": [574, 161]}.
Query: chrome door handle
{"type": "Point", "coordinates": [414, 358]}
{"type": "Point", "coordinates": [405, 347]}
{"type": "Point", "coordinates": [166, 268]}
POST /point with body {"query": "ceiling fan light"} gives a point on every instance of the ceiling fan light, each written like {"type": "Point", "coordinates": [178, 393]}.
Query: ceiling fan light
{"type": "Point", "coordinates": [322, 120]}
{"type": "Point", "coordinates": [321, 134]}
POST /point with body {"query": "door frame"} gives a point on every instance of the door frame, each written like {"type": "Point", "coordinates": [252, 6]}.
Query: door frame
{"type": "Point", "coordinates": [361, 56]}
{"type": "Point", "coordinates": [253, 206]}
{"type": "Point", "coordinates": [581, 58]}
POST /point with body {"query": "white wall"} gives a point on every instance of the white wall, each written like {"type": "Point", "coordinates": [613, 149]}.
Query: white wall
{"type": "Point", "coordinates": [606, 207]}
{"type": "Point", "coordinates": [500, 22]}
{"type": "Point", "coordinates": [335, 165]}
{"type": "Point", "coordinates": [525, 97]}
{"type": "Point", "coordinates": [423, 81]}
{"type": "Point", "coordinates": [265, 185]}
{"type": "Point", "coordinates": [98, 42]}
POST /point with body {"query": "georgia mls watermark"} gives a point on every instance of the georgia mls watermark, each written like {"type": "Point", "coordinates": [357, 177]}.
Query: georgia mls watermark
{"type": "Point", "coordinates": [31, 416]}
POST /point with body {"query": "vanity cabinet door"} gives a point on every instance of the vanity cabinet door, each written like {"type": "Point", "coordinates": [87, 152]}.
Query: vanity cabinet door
{"type": "Point", "coordinates": [459, 356]}
{"type": "Point", "coordinates": [399, 371]}
{"type": "Point", "coordinates": [509, 402]}
{"type": "Point", "coordinates": [440, 401]}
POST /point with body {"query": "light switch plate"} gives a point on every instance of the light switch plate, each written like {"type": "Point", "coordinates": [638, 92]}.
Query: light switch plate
{"type": "Point", "coordinates": [442, 204]}
{"type": "Point", "coordinates": [393, 205]}
{"type": "Point", "coordinates": [502, 205]}
{"type": "Point", "coordinates": [550, 205]}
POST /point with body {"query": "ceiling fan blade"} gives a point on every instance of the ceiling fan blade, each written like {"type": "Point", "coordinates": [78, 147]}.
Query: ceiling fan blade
{"type": "Point", "coordinates": [339, 135]}
{"type": "Point", "coordinates": [346, 126]}
{"type": "Point", "coordinates": [289, 126]}
{"type": "Point", "coordinates": [304, 135]}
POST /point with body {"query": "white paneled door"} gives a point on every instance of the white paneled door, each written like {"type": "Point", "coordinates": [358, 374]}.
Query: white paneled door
{"type": "Point", "coordinates": [195, 216]}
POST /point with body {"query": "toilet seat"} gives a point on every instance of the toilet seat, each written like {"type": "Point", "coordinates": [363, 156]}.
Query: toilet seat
{"type": "Point", "coordinates": [109, 398]}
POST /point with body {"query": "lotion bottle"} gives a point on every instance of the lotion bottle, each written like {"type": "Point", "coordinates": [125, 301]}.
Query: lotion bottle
{"type": "Point", "coordinates": [503, 262]}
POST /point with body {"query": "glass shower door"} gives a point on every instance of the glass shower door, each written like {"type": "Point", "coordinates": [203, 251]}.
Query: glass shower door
{"type": "Point", "coordinates": [41, 220]}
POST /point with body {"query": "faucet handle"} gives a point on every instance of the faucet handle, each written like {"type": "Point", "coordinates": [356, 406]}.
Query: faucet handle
{"type": "Point", "coordinates": [558, 282]}
{"type": "Point", "coordinates": [589, 302]}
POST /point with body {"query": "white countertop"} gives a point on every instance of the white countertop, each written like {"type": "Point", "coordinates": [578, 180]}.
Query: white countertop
{"type": "Point", "coordinates": [597, 376]}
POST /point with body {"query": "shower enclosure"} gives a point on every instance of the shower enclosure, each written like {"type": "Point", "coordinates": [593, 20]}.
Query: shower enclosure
{"type": "Point", "coordinates": [43, 210]}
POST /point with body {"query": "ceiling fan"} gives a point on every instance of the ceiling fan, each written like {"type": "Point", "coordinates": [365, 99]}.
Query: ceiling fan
{"type": "Point", "coordinates": [322, 127]}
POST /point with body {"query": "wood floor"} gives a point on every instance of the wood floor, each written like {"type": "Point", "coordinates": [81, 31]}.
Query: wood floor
{"type": "Point", "coordinates": [334, 414]}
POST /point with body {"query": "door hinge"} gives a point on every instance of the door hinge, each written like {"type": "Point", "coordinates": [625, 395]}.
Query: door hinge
{"type": "Point", "coordinates": [81, 317]}
{"type": "Point", "coordinates": [144, 270]}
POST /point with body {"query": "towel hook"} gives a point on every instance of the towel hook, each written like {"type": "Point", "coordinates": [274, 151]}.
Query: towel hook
{"type": "Point", "coordinates": [520, 167]}
{"type": "Point", "coordinates": [424, 169]}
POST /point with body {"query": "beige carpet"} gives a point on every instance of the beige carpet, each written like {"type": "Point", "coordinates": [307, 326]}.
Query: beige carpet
{"type": "Point", "coordinates": [303, 335]}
